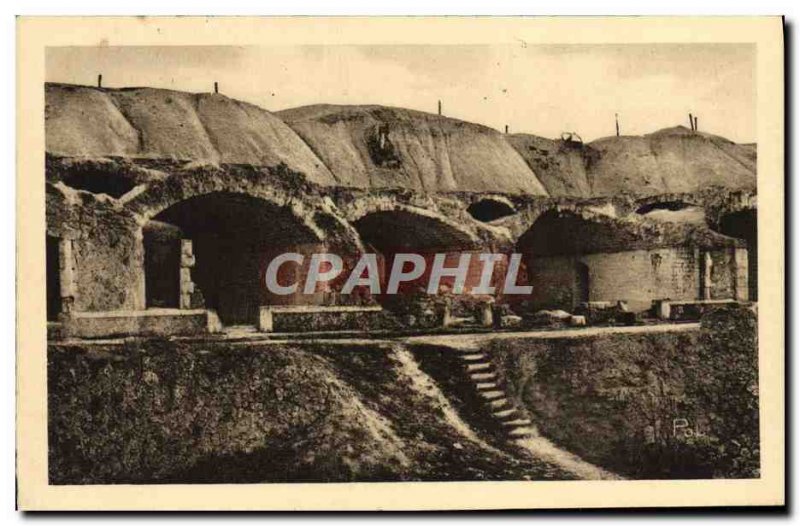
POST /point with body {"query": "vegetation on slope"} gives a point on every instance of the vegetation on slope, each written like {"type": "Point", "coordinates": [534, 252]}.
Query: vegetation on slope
{"type": "Point", "coordinates": [671, 405]}
{"type": "Point", "coordinates": [158, 412]}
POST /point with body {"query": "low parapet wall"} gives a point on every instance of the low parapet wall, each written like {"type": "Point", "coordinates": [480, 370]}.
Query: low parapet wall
{"type": "Point", "coordinates": [151, 322]}
{"type": "Point", "coordinates": [309, 318]}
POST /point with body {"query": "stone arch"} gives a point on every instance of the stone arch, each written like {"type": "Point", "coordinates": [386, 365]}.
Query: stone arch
{"type": "Point", "coordinates": [491, 208]}
{"type": "Point", "coordinates": [557, 251]}
{"type": "Point", "coordinates": [223, 231]}
{"type": "Point", "coordinates": [149, 200]}
{"type": "Point", "coordinates": [411, 227]}
{"type": "Point", "coordinates": [388, 229]}
{"type": "Point", "coordinates": [550, 258]}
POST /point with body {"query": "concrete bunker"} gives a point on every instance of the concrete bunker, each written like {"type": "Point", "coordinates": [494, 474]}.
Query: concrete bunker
{"type": "Point", "coordinates": [211, 251]}
{"type": "Point", "coordinates": [571, 259]}
{"type": "Point", "coordinates": [743, 224]}
{"type": "Point", "coordinates": [490, 209]}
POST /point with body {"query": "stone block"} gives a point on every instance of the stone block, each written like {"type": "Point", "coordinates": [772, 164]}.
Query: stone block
{"type": "Point", "coordinates": [510, 321]}
{"type": "Point", "coordinates": [309, 318]}
{"type": "Point", "coordinates": [150, 322]}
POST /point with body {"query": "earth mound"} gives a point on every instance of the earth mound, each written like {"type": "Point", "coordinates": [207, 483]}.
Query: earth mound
{"type": "Point", "coordinates": [164, 124]}
{"type": "Point", "coordinates": [671, 160]}
{"type": "Point", "coordinates": [384, 147]}
{"type": "Point", "coordinates": [376, 146]}
{"type": "Point", "coordinates": [560, 165]}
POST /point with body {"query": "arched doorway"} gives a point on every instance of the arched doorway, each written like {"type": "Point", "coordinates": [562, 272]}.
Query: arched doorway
{"type": "Point", "coordinates": [222, 242]}
{"type": "Point", "coordinates": [743, 224]}
{"type": "Point", "coordinates": [406, 230]}
{"type": "Point", "coordinates": [552, 248]}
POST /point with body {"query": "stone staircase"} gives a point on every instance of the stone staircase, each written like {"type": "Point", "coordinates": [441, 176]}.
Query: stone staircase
{"type": "Point", "coordinates": [478, 367]}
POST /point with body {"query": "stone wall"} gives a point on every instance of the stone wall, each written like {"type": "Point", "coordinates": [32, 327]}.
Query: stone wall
{"type": "Point", "coordinates": [638, 276]}
{"type": "Point", "coordinates": [107, 252]}
{"type": "Point", "coordinates": [660, 405]}
{"type": "Point", "coordinates": [106, 247]}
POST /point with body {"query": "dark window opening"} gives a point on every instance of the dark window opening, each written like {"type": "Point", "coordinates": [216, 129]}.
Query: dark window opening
{"type": "Point", "coordinates": [97, 181]}
{"type": "Point", "coordinates": [162, 259]}
{"type": "Point", "coordinates": [53, 279]}
{"type": "Point", "coordinates": [744, 225]}
{"type": "Point", "coordinates": [488, 210]}
{"type": "Point", "coordinates": [672, 206]}
{"type": "Point", "coordinates": [581, 283]}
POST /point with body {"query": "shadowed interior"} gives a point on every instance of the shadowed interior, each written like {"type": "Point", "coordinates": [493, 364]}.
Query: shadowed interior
{"type": "Point", "coordinates": [53, 279]}
{"type": "Point", "coordinates": [672, 206]}
{"type": "Point", "coordinates": [234, 237]}
{"type": "Point", "coordinates": [487, 210]}
{"type": "Point", "coordinates": [743, 225]}
{"type": "Point", "coordinates": [391, 232]}
{"type": "Point", "coordinates": [402, 230]}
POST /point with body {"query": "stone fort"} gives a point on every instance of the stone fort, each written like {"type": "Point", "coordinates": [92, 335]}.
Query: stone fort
{"type": "Point", "coordinates": [163, 206]}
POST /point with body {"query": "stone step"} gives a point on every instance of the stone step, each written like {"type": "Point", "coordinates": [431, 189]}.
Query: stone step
{"type": "Point", "coordinates": [522, 432]}
{"type": "Point", "coordinates": [500, 402]}
{"type": "Point", "coordinates": [475, 367]}
{"type": "Point", "coordinates": [486, 386]}
{"type": "Point", "coordinates": [491, 395]}
{"type": "Point", "coordinates": [478, 377]}
{"type": "Point", "coordinates": [478, 357]}
{"type": "Point", "coordinates": [518, 422]}
{"type": "Point", "coordinates": [504, 413]}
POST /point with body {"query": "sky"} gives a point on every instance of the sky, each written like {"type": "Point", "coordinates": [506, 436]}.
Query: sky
{"type": "Point", "coordinates": [539, 89]}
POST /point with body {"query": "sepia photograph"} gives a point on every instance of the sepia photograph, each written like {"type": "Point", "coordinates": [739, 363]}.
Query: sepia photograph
{"type": "Point", "coordinates": [269, 264]}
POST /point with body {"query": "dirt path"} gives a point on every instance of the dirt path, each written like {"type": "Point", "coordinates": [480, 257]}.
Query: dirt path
{"type": "Point", "coordinates": [463, 341]}
{"type": "Point", "coordinates": [543, 449]}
